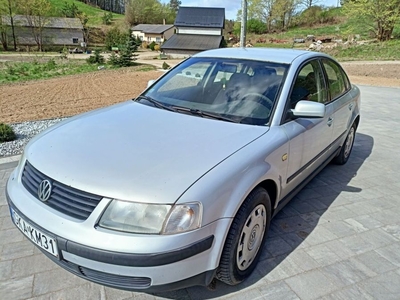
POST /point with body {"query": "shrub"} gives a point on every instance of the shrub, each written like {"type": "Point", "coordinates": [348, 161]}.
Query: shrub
{"type": "Point", "coordinates": [97, 58]}
{"type": "Point", "coordinates": [157, 47]}
{"type": "Point", "coordinates": [70, 10]}
{"type": "Point", "coordinates": [145, 45]}
{"type": "Point", "coordinates": [224, 44]}
{"type": "Point", "coordinates": [64, 53]}
{"type": "Point", "coordinates": [115, 37]}
{"type": "Point", "coordinates": [51, 64]}
{"type": "Point", "coordinates": [6, 133]}
{"type": "Point", "coordinates": [165, 66]}
{"type": "Point", "coordinates": [152, 45]}
{"type": "Point", "coordinates": [256, 26]}
{"type": "Point", "coordinates": [107, 18]}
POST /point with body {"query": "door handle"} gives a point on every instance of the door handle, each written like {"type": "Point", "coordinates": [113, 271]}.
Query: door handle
{"type": "Point", "coordinates": [330, 120]}
{"type": "Point", "coordinates": [350, 106]}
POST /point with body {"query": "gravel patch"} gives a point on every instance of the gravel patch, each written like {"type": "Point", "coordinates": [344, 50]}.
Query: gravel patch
{"type": "Point", "coordinates": [24, 132]}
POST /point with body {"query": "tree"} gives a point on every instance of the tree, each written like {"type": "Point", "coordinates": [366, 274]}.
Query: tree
{"type": "Point", "coordinates": [115, 37]}
{"type": "Point", "coordinates": [282, 12]}
{"type": "Point", "coordinates": [36, 12]}
{"type": "Point", "coordinates": [126, 54]}
{"type": "Point", "coordinates": [148, 12]}
{"type": "Point", "coordinates": [70, 10]}
{"type": "Point", "coordinates": [7, 8]}
{"type": "Point", "coordinates": [117, 6]}
{"type": "Point", "coordinates": [277, 12]}
{"type": "Point", "coordinates": [174, 5]}
{"type": "Point", "coordinates": [256, 26]}
{"type": "Point", "coordinates": [84, 20]}
{"type": "Point", "coordinates": [309, 3]}
{"type": "Point", "coordinates": [107, 18]}
{"type": "Point", "coordinates": [382, 14]}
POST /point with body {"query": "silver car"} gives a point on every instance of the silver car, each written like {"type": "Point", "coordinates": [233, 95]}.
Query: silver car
{"type": "Point", "coordinates": [178, 187]}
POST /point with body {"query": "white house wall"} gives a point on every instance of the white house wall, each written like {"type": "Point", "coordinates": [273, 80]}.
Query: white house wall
{"type": "Point", "coordinates": [151, 37]}
{"type": "Point", "coordinates": [201, 31]}
{"type": "Point", "coordinates": [140, 35]}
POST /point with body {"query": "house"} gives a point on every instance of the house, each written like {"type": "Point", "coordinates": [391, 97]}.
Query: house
{"type": "Point", "coordinates": [197, 29]}
{"type": "Point", "coordinates": [153, 32]}
{"type": "Point", "coordinates": [56, 31]}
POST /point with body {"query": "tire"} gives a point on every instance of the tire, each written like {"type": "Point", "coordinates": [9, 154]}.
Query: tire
{"type": "Point", "coordinates": [345, 152]}
{"type": "Point", "coordinates": [245, 238]}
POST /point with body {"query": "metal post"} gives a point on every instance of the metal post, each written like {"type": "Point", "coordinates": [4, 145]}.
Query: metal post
{"type": "Point", "coordinates": [244, 24]}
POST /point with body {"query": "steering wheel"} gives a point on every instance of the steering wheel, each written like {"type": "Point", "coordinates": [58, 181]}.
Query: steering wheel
{"type": "Point", "coordinates": [260, 98]}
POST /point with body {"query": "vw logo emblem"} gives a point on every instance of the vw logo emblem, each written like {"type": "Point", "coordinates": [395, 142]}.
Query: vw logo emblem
{"type": "Point", "coordinates": [44, 190]}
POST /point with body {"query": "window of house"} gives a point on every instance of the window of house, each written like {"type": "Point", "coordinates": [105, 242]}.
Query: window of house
{"type": "Point", "coordinates": [75, 40]}
{"type": "Point", "coordinates": [158, 39]}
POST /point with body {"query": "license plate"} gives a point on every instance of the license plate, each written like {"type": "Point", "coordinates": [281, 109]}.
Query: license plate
{"type": "Point", "coordinates": [41, 239]}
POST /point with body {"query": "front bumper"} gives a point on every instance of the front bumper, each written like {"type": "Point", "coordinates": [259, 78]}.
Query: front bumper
{"type": "Point", "coordinates": [186, 265]}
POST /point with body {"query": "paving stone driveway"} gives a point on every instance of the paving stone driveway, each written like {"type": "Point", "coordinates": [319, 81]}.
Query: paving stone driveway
{"type": "Point", "coordinates": [338, 239]}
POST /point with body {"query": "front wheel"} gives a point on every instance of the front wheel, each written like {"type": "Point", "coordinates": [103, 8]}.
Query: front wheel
{"type": "Point", "coordinates": [344, 153]}
{"type": "Point", "coordinates": [245, 238]}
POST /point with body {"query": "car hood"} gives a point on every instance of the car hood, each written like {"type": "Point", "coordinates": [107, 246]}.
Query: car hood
{"type": "Point", "coordinates": [136, 152]}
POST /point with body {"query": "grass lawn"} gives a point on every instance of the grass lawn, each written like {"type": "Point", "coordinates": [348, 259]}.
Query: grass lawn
{"type": "Point", "coordinates": [49, 67]}
{"type": "Point", "coordinates": [95, 14]}
{"type": "Point", "coordinates": [21, 71]}
{"type": "Point", "coordinates": [373, 51]}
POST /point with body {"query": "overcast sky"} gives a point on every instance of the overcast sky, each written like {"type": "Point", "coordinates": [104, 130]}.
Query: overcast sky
{"type": "Point", "coordinates": [232, 6]}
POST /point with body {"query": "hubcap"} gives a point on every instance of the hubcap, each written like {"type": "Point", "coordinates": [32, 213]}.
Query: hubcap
{"type": "Point", "coordinates": [349, 143]}
{"type": "Point", "coordinates": [251, 237]}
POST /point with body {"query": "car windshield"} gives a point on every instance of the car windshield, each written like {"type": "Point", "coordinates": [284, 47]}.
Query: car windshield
{"type": "Point", "coordinates": [236, 90]}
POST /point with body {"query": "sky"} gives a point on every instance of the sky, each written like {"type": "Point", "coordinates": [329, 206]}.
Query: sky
{"type": "Point", "coordinates": [232, 6]}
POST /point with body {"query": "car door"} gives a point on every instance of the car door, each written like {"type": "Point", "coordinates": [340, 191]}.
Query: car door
{"type": "Point", "coordinates": [309, 138]}
{"type": "Point", "coordinates": [341, 98]}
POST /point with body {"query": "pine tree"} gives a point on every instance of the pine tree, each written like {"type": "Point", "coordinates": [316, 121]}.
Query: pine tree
{"type": "Point", "coordinates": [126, 55]}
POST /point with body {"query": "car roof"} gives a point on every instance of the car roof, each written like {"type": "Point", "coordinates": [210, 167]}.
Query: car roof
{"type": "Point", "coordinates": [284, 56]}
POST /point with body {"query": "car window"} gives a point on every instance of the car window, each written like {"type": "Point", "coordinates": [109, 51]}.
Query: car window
{"type": "Point", "coordinates": [242, 90]}
{"type": "Point", "coordinates": [187, 77]}
{"type": "Point", "coordinates": [309, 85]}
{"type": "Point", "coordinates": [337, 79]}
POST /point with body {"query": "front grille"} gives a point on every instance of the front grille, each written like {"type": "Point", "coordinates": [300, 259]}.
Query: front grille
{"type": "Point", "coordinates": [70, 201]}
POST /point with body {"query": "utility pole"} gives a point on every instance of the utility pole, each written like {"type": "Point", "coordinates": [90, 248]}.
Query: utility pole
{"type": "Point", "coordinates": [243, 24]}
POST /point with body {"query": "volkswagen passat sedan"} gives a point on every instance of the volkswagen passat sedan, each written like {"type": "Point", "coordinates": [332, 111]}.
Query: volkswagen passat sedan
{"type": "Point", "coordinates": [178, 186]}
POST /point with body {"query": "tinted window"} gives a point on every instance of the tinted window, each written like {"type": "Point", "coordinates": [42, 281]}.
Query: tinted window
{"type": "Point", "coordinates": [309, 85]}
{"type": "Point", "coordinates": [337, 79]}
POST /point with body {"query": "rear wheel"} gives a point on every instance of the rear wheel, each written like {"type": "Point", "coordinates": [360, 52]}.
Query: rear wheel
{"type": "Point", "coordinates": [344, 153]}
{"type": "Point", "coordinates": [245, 238]}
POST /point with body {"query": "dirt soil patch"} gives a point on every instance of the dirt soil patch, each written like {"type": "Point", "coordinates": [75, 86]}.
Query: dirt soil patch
{"type": "Point", "coordinates": [71, 95]}
{"type": "Point", "coordinates": [374, 73]}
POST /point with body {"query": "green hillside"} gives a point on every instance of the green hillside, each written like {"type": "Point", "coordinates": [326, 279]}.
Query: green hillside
{"type": "Point", "coordinates": [95, 14]}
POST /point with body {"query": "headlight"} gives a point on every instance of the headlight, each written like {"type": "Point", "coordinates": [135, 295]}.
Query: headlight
{"type": "Point", "coordinates": [183, 217]}
{"type": "Point", "coordinates": [151, 218]}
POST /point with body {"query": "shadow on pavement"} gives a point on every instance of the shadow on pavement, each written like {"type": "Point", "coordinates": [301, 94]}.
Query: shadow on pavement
{"type": "Point", "coordinates": [296, 221]}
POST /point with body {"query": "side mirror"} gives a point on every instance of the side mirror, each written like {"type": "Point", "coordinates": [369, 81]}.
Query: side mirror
{"type": "Point", "coordinates": [309, 109]}
{"type": "Point", "coordinates": [150, 82]}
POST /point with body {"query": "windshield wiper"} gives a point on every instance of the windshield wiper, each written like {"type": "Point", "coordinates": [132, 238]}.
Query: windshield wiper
{"type": "Point", "coordinates": [156, 103]}
{"type": "Point", "coordinates": [203, 114]}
